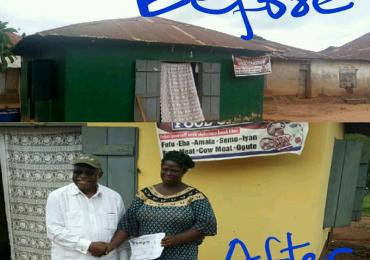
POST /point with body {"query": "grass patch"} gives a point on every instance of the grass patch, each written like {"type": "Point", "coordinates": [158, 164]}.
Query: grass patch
{"type": "Point", "coordinates": [366, 206]}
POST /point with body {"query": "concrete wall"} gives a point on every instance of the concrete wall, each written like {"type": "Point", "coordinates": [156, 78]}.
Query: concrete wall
{"type": "Point", "coordinates": [258, 197]}
{"type": "Point", "coordinates": [325, 78]}
{"type": "Point", "coordinates": [2, 83]}
{"type": "Point", "coordinates": [9, 85]}
{"type": "Point", "coordinates": [284, 79]}
{"type": "Point", "coordinates": [10, 80]}
{"type": "Point", "coordinates": [13, 80]}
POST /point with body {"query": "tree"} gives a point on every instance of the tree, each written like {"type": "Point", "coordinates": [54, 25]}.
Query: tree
{"type": "Point", "coordinates": [5, 45]}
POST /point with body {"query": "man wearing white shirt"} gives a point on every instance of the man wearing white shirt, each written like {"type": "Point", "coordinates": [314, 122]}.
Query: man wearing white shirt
{"type": "Point", "coordinates": [82, 217]}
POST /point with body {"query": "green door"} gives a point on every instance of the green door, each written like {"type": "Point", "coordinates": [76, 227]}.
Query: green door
{"type": "Point", "coordinates": [342, 183]}
{"type": "Point", "coordinates": [116, 147]}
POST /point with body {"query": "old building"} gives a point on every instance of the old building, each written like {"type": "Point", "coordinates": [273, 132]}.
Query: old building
{"type": "Point", "coordinates": [103, 71]}
{"type": "Point", "coordinates": [10, 80]}
{"type": "Point", "coordinates": [303, 73]}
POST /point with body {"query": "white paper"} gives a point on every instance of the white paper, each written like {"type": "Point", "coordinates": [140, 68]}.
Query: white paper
{"type": "Point", "coordinates": [146, 247]}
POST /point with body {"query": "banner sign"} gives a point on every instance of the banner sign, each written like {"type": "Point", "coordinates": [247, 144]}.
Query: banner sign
{"type": "Point", "coordinates": [219, 140]}
{"type": "Point", "coordinates": [251, 66]}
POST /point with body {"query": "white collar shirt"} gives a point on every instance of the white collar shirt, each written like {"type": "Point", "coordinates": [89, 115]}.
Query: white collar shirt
{"type": "Point", "coordinates": [73, 221]}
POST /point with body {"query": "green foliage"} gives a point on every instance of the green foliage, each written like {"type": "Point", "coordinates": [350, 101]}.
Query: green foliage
{"type": "Point", "coordinates": [359, 138]}
{"type": "Point", "coordinates": [5, 45]}
{"type": "Point", "coordinates": [366, 206]}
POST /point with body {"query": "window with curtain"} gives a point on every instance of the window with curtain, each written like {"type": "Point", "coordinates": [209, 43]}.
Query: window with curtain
{"type": "Point", "coordinates": [180, 86]}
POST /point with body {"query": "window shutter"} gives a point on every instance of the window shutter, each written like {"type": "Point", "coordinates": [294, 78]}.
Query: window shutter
{"type": "Point", "coordinates": [42, 80]}
{"type": "Point", "coordinates": [361, 184]}
{"type": "Point", "coordinates": [116, 148]}
{"type": "Point", "coordinates": [147, 90]}
{"type": "Point", "coordinates": [29, 79]}
{"type": "Point", "coordinates": [342, 183]}
{"type": "Point", "coordinates": [210, 90]}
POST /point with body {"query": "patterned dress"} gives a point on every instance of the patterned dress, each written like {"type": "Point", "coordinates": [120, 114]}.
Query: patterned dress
{"type": "Point", "coordinates": [152, 212]}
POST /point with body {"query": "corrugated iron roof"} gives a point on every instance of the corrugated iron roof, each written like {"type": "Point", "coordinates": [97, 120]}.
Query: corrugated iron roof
{"type": "Point", "coordinates": [154, 30]}
{"type": "Point", "coordinates": [161, 30]}
{"type": "Point", "coordinates": [14, 38]}
{"type": "Point", "coordinates": [358, 49]}
{"type": "Point", "coordinates": [282, 51]}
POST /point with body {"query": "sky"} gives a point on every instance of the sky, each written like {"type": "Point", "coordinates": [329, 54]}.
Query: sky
{"type": "Point", "coordinates": [314, 31]}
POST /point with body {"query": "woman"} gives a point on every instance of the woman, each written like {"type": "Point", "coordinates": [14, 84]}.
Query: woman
{"type": "Point", "coordinates": [182, 212]}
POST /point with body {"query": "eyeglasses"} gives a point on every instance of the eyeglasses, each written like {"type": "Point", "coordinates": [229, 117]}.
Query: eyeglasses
{"type": "Point", "coordinates": [88, 172]}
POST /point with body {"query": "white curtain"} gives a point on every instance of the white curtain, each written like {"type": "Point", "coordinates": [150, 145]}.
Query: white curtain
{"type": "Point", "coordinates": [34, 161]}
{"type": "Point", "coordinates": [179, 98]}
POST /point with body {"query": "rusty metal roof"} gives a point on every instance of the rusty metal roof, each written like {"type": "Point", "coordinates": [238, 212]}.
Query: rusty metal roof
{"type": "Point", "coordinates": [153, 30]}
{"type": "Point", "coordinates": [14, 38]}
{"type": "Point", "coordinates": [358, 49]}
{"type": "Point", "coordinates": [161, 30]}
{"type": "Point", "coordinates": [281, 51]}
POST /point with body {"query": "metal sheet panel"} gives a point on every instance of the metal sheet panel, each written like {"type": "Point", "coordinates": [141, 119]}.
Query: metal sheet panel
{"type": "Point", "coordinates": [360, 192]}
{"type": "Point", "coordinates": [119, 168]}
{"type": "Point", "coordinates": [155, 30]}
{"type": "Point", "coordinates": [140, 83]}
{"type": "Point", "coordinates": [215, 83]}
{"type": "Point", "coordinates": [122, 169]}
{"type": "Point", "coordinates": [215, 108]}
{"type": "Point", "coordinates": [206, 84]}
{"type": "Point", "coordinates": [96, 136]}
{"type": "Point", "coordinates": [147, 88]}
{"type": "Point", "coordinates": [210, 89]}
{"type": "Point", "coordinates": [43, 80]}
{"type": "Point", "coordinates": [348, 184]}
{"type": "Point", "coordinates": [206, 106]}
{"type": "Point", "coordinates": [127, 150]}
{"type": "Point", "coordinates": [153, 82]}
{"type": "Point", "coordinates": [357, 49]}
{"type": "Point", "coordinates": [334, 183]}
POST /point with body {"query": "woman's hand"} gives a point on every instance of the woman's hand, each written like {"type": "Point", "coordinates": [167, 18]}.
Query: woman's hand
{"type": "Point", "coordinates": [188, 236]}
{"type": "Point", "coordinates": [169, 240]}
{"type": "Point", "coordinates": [117, 240]}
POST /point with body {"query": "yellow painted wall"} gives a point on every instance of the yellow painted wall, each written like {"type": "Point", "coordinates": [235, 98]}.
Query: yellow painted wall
{"type": "Point", "coordinates": [257, 197]}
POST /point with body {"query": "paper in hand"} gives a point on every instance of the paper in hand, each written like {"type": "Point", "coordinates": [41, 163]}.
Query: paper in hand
{"type": "Point", "coordinates": [146, 247]}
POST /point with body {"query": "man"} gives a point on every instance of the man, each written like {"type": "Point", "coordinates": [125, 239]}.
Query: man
{"type": "Point", "coordinates": [82, 217]}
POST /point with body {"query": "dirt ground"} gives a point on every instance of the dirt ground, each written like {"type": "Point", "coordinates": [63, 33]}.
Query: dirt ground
{"type": "Point", "coordinates": [320, 109]}
{"type": "Point", "coordinates": [357, 237]}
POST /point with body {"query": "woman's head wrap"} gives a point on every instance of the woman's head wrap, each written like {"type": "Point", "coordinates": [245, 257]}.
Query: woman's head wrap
{"type": "Point", "coordinates": [180, 158]}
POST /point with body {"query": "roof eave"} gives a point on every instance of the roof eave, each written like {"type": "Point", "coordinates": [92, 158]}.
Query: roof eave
{"type": "Point", "coordinates": [35, 38]}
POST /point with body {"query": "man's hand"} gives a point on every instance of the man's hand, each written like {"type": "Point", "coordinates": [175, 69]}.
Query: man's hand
{"type": "Point", "coordinates": [109, 249]}
{"type": "Point", "coordinates": [169, 240]}
{"type": "Point", "coordinates": [98, 249]}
